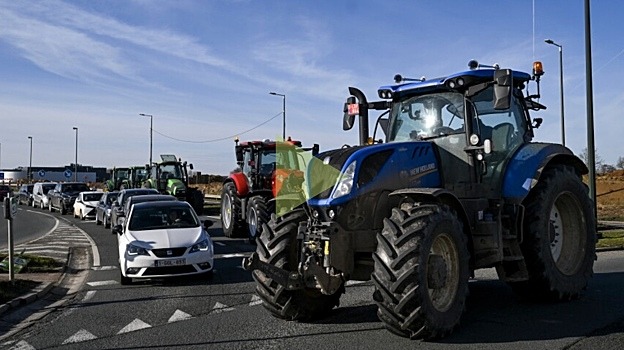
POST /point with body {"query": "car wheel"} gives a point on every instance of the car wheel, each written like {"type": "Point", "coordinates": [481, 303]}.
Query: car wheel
{"type": "Point", "coordinates": [63, 210]}
{"type": "Point", "coordinates": [97, 219]}
{"type": "Point", "coordinates": [106, 223]}
{"type": "Point", "coordinates": [50, 207]}
{"type": "Point", "coordinates": [82, 216]}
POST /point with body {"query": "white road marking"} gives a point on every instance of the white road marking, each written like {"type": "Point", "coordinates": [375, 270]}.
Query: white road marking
{"type": "Point", "coordinates": [134, 326]}
{"type": "Point", "coordinates": [102, 283]}
{"type": "Point", "coordinates": [179, 316]}
{"type": "Point", "coordinates": [88, 296]}
{"type": "Point", "coordinates": [218, 308]}
{"type": "Point", "coordinates": [22, 345]}
{"type": "Point", "coordinates": [104, 268]}
{"type": "Point", "coordinates": [80, 336]}
{"type": "Point", "coordinates": [94, 249]}
{"type": "Point", "coordinates": [229, 256]}
{"type": "Point", "coordinates": [220, 244]}
{"type": "Point", "coordinates": [255, 300]}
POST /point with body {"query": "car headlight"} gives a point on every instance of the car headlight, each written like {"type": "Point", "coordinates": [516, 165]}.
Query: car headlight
{"type": "Point", "coordinates": [132, 249]}
{"type": "Point", "coordinates": [201, 246]}
{"type": "Point", "coordinates": [345, 182]}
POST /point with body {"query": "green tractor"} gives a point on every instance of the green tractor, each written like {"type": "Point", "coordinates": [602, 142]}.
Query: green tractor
{"type": "Point", "coordinates": [118, 177]}
{"type": "Point", "coordinates": [170, 176]}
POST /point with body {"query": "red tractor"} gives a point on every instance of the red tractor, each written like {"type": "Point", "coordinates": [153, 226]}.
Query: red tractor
{"type": "Point", "coordinates": [249, 194]}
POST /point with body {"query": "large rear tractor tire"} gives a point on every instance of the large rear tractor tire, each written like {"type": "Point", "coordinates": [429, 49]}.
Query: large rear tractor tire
{"type": "Point", "coordinates": [278, 246]}
{"type": "Point", "coordinates": [421, 271]}
{"type": "Point", "coordinates": [232, 225]}
{"type": "Point", "coordinates": [559, 243]}
{"type": "Point", "coordinates": [257, 215]}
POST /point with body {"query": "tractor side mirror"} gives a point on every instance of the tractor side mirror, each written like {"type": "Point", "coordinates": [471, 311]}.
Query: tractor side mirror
{"type": "Point", "coordinates": [351, 109]}
{"type": "Point", "coordinates": [502, 88]}
{"type": "Point", "coordinates": [239, 154]}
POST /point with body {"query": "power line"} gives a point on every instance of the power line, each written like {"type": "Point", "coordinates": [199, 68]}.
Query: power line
{"type": "Point", "coordinates": [219, 139]}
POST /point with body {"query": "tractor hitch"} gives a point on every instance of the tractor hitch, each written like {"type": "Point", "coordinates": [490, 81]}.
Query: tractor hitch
{"type": "Point", "coordinates": [290, 280]}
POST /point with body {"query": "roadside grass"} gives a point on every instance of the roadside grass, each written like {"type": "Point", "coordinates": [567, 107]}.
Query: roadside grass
{"type": "Point", "coordinates": [37, 263]}
{"type": "Point", "coordinates": [10, 291]}
{"type": "Point", "coordinates": [611, 239]}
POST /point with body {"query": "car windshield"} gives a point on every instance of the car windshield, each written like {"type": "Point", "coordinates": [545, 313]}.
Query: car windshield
{"type": "Point", "coordinates": [47, 188]}
{"type": "Point", "coordinates": [75, 188]}
{"type": "Point", "coordinates": [92, 197]}
{"type": "Point", "coordinates": [111, 198]}
{"type": "Point", "coordinates": [426, 116]}
{"type": "Point", "coordinates": [154, 218]}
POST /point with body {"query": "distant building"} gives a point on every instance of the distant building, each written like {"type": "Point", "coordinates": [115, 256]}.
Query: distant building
{"type": "Point", "coordinates": [86, 173]}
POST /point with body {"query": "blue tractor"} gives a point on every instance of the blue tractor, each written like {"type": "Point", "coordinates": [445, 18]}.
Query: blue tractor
{"type": "Point", "coordinates": [457, 185]}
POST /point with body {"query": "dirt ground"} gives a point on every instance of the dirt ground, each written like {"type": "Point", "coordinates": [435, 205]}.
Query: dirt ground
{"type": "Point", "coordinates": [610, 196]}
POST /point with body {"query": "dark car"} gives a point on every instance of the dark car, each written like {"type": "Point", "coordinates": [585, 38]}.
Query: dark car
{"type": "Point", "coordinates": [146, 198]}
{"type": "Point", "coordinates": [117, 207]}
{"type": "Point", "coordinates": [5, 191]}
{"type": "Point", "coordinates": [63, 196]}
{"type": "Point", "coordinates": [103, 209]}
{"type": "Point", "coordinates": [25, 194]}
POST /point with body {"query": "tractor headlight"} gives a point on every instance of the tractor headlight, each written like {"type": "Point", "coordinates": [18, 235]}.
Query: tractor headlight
{"type": "Point", "coordinates": [345, 182]}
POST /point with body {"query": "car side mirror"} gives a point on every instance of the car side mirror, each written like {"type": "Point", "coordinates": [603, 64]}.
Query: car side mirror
{"type": "Point", "coordinates": [117, 229]}
{"type": "Point", "coordinates": [208, 223]}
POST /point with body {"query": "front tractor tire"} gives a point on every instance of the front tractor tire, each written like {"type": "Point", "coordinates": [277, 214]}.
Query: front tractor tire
{"type": "Point", "coordinates": [231, 221]}
{"type": "Point", "coordinates": [421, 271]}
{"type": "Point", "coordinates": [278, 246]}
{"type": "Point", "coordinates": [257, 215]}
{"type": "Point", "coordinates": [559, 237]}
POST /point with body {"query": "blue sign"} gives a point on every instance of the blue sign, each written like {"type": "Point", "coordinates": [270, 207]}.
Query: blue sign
{"type": "Point", "coordinates": [68, 173]}
{"type": "Point", "coordinates": [1, 176]}
{"type": "Point", "coordinates": [41, 173]}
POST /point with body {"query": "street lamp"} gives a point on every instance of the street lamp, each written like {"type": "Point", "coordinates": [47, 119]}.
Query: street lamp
{"type": "Point", "coordinates": [151, 132]}
{"type": "Point", "coordinates": [30, 162]}
{"type": "Point", "coordinates": [76, 160]}
{"type": "Point", "coordinates": [283, 113]}
{"type": "Point", "coordinates": [549, 41]}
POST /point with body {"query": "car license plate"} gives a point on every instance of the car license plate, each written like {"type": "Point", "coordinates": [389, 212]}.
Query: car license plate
{"type": "Point", "coordinates": [172, 262]}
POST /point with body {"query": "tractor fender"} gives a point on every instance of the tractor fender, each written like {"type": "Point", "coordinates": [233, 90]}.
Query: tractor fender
{"type": "Point", "coordinates": [240, 182]}
{"type": "Point", "coordinates": [527, 164]}
{"type": "Point", "coordinates": [436, 195]}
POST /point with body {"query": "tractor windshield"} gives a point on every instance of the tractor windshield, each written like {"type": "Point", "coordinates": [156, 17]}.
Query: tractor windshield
{"type": "Point", "coordinates": [426, 116]}
{"type": "Point", "coordinates": [171, 171]}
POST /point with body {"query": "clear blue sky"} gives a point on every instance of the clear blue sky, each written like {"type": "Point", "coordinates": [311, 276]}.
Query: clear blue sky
{"type": "Point", "coordinates": [204, 70]}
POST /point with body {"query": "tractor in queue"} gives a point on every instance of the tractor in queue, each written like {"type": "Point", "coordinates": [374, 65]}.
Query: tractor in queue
{"type": "Point", "coordinates": [247, 197]}
{"type": "Point", "coordinates": [170, 176]}
{"type": "Point", "coordinates": [458, 185]}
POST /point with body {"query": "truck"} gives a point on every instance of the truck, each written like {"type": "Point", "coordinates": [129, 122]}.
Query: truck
{"type": "Point", "coordinates": [458, 185]}
{"type": "Point", "coordinates": [170, 176]}
{"type": "Point", "coordinates": [248, 193]}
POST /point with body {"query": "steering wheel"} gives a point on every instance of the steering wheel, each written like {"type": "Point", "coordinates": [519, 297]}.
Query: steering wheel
{"type": "Point", "coordinates": [443, 130]}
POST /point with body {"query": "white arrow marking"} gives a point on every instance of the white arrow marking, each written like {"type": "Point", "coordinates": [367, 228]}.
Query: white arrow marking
{"type": "Point", "coordinates": [179, 316]}
{"type": "Point", "coordinates": [218, 308]}
{"type": "Point", "coordinates": [134, 326]}
{"type": "Point", "coordinates": [255, 300]}
{"type": "Point", "coordinates": [80, 336]}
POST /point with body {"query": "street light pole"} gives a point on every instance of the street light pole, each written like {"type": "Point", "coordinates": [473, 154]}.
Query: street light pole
{"type": "Point", "coordinates": [549, 41]}
{"type": "Point", "coordinates": [76, 160]}
{"type": "Point", "coordinates": [151, 133]}
{"type": "Point", "coordinates": [283, 113]}
{"type": "Point", "coordinates": [30, 162]}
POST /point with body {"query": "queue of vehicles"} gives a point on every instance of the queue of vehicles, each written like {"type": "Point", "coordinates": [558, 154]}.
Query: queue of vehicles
{"type": "Point", "coordinates": [164, 238]}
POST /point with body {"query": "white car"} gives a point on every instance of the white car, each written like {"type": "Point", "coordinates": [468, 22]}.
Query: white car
{"type": "Point", "coordinates": [86, 203]}
{"type": "Point", "coordinates": [163, 239]}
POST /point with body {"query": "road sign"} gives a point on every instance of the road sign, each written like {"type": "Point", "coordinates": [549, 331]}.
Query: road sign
{"type": "Point", "coordinates": [68, 173]}
{"type": "Point", "coordinates": [10, 207]}
{"type": "Point", "coordinates": [1, 176]}
{"type": "Point", "coordinates": [41, 173]}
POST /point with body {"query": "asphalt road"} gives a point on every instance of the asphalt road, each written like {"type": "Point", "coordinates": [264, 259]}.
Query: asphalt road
{"type": "Point", "coordinates": [28, 225]}
{"type": "Point", "coordinates": [225, 313]}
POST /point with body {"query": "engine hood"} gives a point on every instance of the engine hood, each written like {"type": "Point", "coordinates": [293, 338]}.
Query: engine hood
{"type": "Point", "coordinates": [166, 238]}
{"type": "Point", "coordinates": [383, 167]}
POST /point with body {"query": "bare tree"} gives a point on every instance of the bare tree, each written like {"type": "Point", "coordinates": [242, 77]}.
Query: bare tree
{"type": "Point", "coordinates": [620, 163]}
{"type": "Point", "coordinates": [599, 163]}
